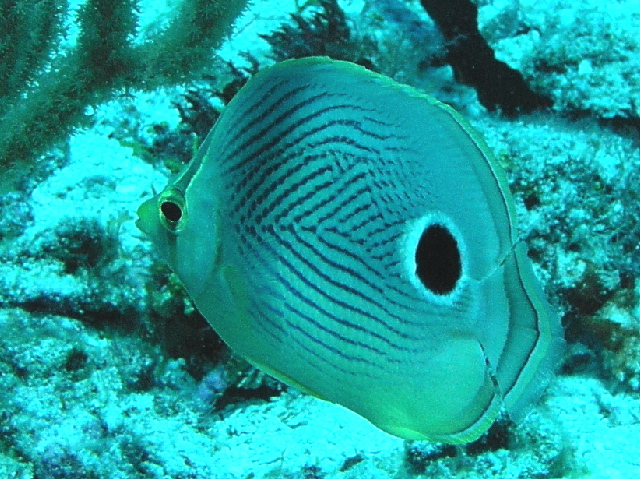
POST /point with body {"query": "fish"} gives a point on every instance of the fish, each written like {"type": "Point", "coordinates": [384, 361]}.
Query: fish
{"type": "Point", "coordinates": [355, 238]}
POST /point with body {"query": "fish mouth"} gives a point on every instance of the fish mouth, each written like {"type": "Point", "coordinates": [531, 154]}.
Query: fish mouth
{"type": "Point", "coordinates": [146, 212]}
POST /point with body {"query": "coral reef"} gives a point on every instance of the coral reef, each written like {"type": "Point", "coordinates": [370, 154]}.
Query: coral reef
{"type": "Point", "coordinates": [46, 86]}
{"type": "Point", "coordinates": [588, 249]}
{"type": "Point", "coordinates": [107, 371]}
{"type": "Point", "coordinates": [474, 62]}
{"type": "Point", "coordinates": [583, 55]}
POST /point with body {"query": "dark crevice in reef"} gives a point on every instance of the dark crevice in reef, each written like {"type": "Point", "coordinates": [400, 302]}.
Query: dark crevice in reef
{"type": "Point", "coordinates": [474, 62]}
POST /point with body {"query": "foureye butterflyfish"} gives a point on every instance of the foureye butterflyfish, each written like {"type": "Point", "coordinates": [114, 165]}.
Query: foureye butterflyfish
{"type": "Point", "coordinates": [355, 238]}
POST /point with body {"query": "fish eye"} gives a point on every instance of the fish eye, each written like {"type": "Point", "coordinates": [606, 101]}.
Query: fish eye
{"type": "Point", "coordinates": [438, 259]}
{"type": "Point", "coordinates": [172, 209]}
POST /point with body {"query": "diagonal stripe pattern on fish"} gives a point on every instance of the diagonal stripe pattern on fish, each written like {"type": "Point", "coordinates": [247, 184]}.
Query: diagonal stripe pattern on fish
{"type": "Point", "coordinates": [355, 238]}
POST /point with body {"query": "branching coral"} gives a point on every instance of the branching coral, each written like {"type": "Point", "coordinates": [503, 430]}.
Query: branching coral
{"type": "Point", "coordinates": [45, 88]}
{"type": "Point", "coordinates": [324, 33]}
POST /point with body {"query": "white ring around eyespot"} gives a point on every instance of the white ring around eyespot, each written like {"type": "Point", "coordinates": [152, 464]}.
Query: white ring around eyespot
{"type": "Point", "coordinates": [414, 231]}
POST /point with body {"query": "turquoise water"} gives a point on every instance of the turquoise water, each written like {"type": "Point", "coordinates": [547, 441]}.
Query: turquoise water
{"type": "Point", "coordinates": [107, 370]}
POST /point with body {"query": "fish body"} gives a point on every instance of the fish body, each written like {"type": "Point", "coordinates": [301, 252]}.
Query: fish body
{"type": "Point", "coordinates": [355, 238]}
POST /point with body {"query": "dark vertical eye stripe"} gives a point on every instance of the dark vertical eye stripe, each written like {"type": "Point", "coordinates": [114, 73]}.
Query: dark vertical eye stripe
{"type": "Point", "coordinates": [324, 177]}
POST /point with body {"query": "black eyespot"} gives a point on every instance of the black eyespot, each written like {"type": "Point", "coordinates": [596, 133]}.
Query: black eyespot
{"type": "Point", "coordinates": [438, 262]}
{"type": "Point", "coordinates": [171, 211]}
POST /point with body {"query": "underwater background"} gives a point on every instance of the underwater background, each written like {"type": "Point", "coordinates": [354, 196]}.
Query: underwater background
{"type": "Point", "coordinates": [106, 368]}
